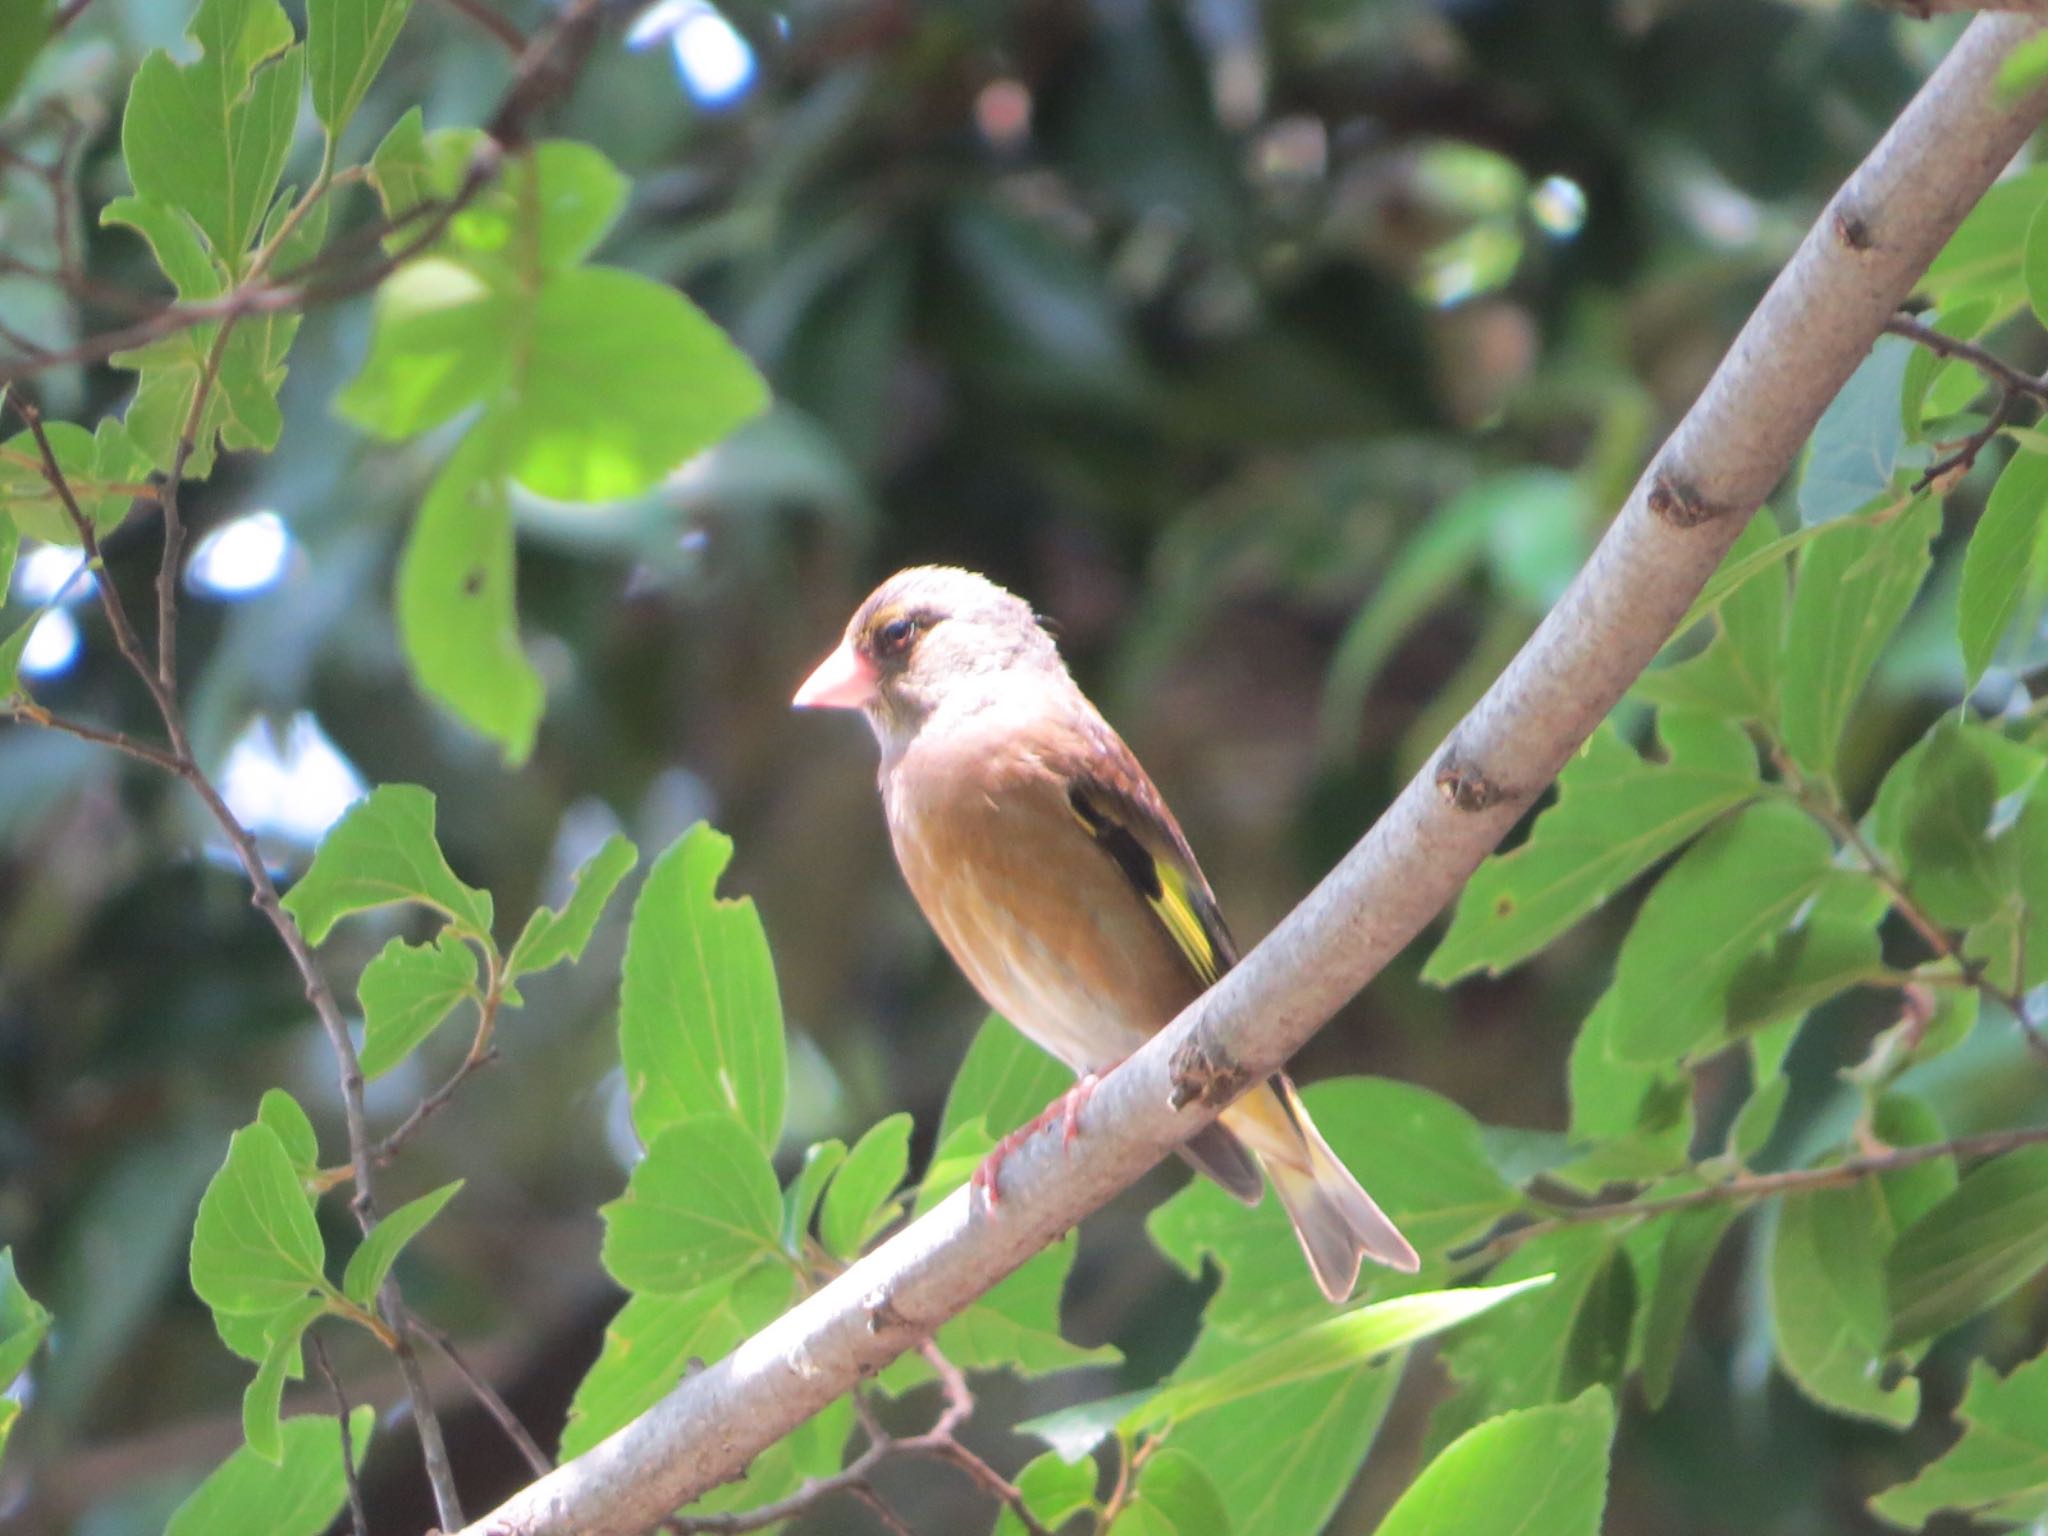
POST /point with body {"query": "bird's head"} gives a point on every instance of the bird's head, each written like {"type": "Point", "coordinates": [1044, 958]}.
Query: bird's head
{"type": "Point", "coordinates": [927, 638]}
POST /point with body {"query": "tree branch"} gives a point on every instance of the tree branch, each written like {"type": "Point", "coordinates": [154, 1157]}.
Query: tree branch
{"type": "Point", "coordinates": [1812, 328]}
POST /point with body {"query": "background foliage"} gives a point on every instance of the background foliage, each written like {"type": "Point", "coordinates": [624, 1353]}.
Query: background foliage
{"type": "Point", "coordinates": [1290, 358]}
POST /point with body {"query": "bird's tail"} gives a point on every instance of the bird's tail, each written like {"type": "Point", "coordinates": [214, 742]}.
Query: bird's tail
{"type": "Point", "coordinates": [1337, 1221]}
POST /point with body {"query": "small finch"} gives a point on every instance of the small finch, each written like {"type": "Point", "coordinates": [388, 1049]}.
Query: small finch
{"type": "Point", "coordinates": [1059, 881]}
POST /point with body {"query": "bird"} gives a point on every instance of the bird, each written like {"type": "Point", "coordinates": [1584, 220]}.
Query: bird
{"type": "Point", "coordinates": [1055, 876]}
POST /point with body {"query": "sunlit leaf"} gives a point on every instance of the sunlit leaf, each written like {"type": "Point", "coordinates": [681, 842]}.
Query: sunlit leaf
{"type": "Point", "coordinates": [857, 1203]}
{"type": "Point", "coordinates": [2005, 552]}
{"type": "Point", "coordinates": [1998, 1471]}
{"type": "Point", "coordinates": [256, 1246]}
{"type": "Point", "coordinates": [406, 992]}
{"type": "Point", "coordinates": [297, 1495]}
{"type": "Point", "coordinates": [346, 43]}
{"type": "Point", "coordinates": [700, 1207]}
{"type": "Point", "coordinates": [1547, 1465]}
{"type": "Point", "coordinates": [383, 851]}
{"type": "Point", "coordinates": [1984, 1239]}
{"type": "Point", "coordinates": [375, 1255]}
{"type": "Point", "coordinates": [551, 937]}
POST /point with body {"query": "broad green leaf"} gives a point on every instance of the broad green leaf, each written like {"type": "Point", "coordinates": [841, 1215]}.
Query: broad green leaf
{"type": "Point", "coordinates": [1597, 1349]}
{"type": "Point", "coordinates": [1546, 1465]}
{"type": "Point", "coordinates": [1054, 1490]}
{"type": "Point", "coordinates": [1686, 1248]}
{"type": "Point", "coordinates": [1857, 440]}
{"type": "Point", "coordinates": [800, 1200]}
{"type": "Point", "coordinates": [1757, 1121]}
{"type": "Point", "coordinates": [298, 1494]}
{"type": "Point", "coordinates": [174, 240]}
{"type": "Point", "coordinates": [1855, 584]}
{"type": "Point", "coordinates": [383, 851]}
{"type": "Point", "coordinates": [2016, 768]}
{"type": "Point", "coordinates": [1615, 815]}
{"type": "Point", "coordinates": [256, 1246]}
{"type": "Point", "coordinates": [1637, 1116]}
{"type": "Point", "coordinates": [2005, 550]}
{"type": "Point", "coordinates": [857, 1204]}
{"type": "Point", "coordinates": [1740, 884]}
{"type": "Point", "coordinates": [1337, 1343]}
{"type": "Point", "coordinates": [23, 1322]}
{"type": "Point", "coordinates": [211, 136]}
{"type": "Point", "coordinates": [1802, 969]}
{"type": "Point", "coordinates": [375, 1255]}
{"type": "Point", "coordinates": [551, 937]}
{"type": "Point", "coordinates": [406, 992]}
{"type": "Point", "coordinates": [1827, 1260]}
{"type": "Point", "coordinates": [1074, 1432]}
{"type": "Point", "coordinates": [441, 341]}
{"type": "Point", "coordinates": [1954, 867]}
{"type": "Point", "coordinates": [700, 1020]}
{"type": "Point", "coordinates": [1973, 1249]}
{"type": "Point", "coordinates": [1419, 1154]}
{"type": "Point", "coordinates": [700, 1207]}
{"type": "Point", "coordinates": [1982, 258]}
{"type": "Point", "coordinates": [24, 28]}
{"type": "Point", "coordinates": [1016, 1326]}
{"type": "Point", "coordinates": [1004, 1081]}
{"type": "Point", "coordinates": [1283, 1460]}
{"type": "Point", "coordinates": [400, 169]}
{"type": "Point", "coordinates": [1998, 1472]}
{"type": "Point", "coordinates": [624, 380]}
{"type": "Point", "coordinates": [1525, 1356]}
{"type": "Point", "coordinates": [1922, 403]}
{"type": "Point", "coordinates": [11, 649]}
{"type": "Point", "coordinates": [457, 610]}
{"type": "Point", "coordinates": [281, 1112]}
{"type": "Point", "coordinates": [1173, 1496]}
{"type": "Point", "coordinates": [283, 1358]}
{"type": "Point", "coordinates": [1736, 676]}
{"type": "Point", "coordinates": [10, 546]}
{"type": "Point", "coordinates": [346, 43]}
{"type": "Point", "coordinates": [2023, 68]}
{"type": "Point", "coordinates": [655, 1341]}
{"type": "Point", "coordinates": [91, 464]}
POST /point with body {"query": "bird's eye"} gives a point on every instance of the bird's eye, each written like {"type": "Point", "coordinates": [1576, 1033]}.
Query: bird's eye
{"type": "Point", "coordinates": [894, 637]}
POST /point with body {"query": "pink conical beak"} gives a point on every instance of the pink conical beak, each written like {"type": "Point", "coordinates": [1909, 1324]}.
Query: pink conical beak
{"type": "Point", "coordinates": [843, 680]}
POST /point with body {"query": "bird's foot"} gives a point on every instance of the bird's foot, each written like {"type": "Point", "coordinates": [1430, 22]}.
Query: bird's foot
{"type": "Point", "coordinates": [1066, 1109]}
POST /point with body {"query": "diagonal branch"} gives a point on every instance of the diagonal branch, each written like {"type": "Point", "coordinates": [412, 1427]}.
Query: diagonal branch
{"type": "Point", "coordinates": [1812, 328]}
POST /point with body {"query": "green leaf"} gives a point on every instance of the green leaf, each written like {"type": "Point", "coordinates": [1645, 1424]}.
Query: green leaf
{"type": "Point", "coordinates": [1687, 1247]}
{"type": "Point", "coordinates": [625, 379]}
{"type": "Point", "coordinates": [1982, 258]}
{"type": "Point", "coordinates": [282, 1358]}
{"type": "Point", "coordinates": [1636, 1112]}
{"type": "Point", "coordinates": [1953, 866]}
{"type": "Point", "coordinates": [1736, 676]}
{"type": "Point", "coordinates": [24, 28]}
{"type": "Point", "coordinates": [400, 169]}
{"type": "Point", "coordinates": [656, 1340]}
{"type": "Point", "coordinates": [11, 650]}
{"type": "Point", "coordinates": [1801, 969]}
{"type": "Point", "coordinates": [1998, 1472]}
{"type": "Point", "coordinates": [1855, 584]}
{"type": "Point", "coordinates": [701, 1206]}
{"type": "Point", "coordinates": [211, 136]}
{"type": "Point", "coordinates": [1337, 1343]}
{"type": "Point", "coordinates": [406, 992]}
{"type": "Point", "coordinates": [857, 1205]}
{"type": "Point", "coordinates": [1016, 1325]}
{"type": "Point", "coordinates": [2023, 68]}
{"type": "Point", "coordinates": [2005, 549]}
{"type": "Point", "coordinates": [23, 1322]}
{"type": "Point", "coordinates": [551, 937]}
{"type": "Point", "coordinates": [375, 1255]}
{"type": "Point", "coordinates": [383, 851]}
{"type": "Point", "coordinates": [1420, 1155]}
{"type": "Point", "coordinates": [299, 1494]}
{"type": "Point", "coordinates": [256, 1246]}
{"type": "Point", "coordinates": [700, 1020]}
{"type": "Point", "coordinates": [346, 43]}
{"type": "Point", "coordinates": [1073, 1432]}
{"type": "Point", "coordinates": [800, 1200]}
{"type": "Point", "coordinates": [1739, 885]}
{"type": "Point", "coordinates": [174, 240]}
{"type": "Point", "coordinates": [281, 1112]}
{"type": "Point", "coordinates": [1826, 1276]}
{"type": "Point", "coordinates": [1546, 1465]}
{"type": "Point", "coordinates": [814, 1448]}
{"type": "Point", "coordinates": [457, 611]}
{"type": "Point", "coordinates": [1173, 1496]}
{"type": "Point", "coordinates": [1857, 440]}
{"type": "Point", "coordinates": [1004, 1081]}
{"type": "Point", "coordinates": [1054, 1490]}
{"type": "Point", "coordinates": [441, 341]}
{"type": "Point", "coordinates": [1615, 815]}
{"type": "Point", "coordinates": [89, 462]}
{"type": "Point", "coordinates": [1973, 1249]}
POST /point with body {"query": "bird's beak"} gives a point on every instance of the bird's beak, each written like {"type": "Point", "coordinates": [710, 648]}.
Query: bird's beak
{"type": "Point", "coordinates": [843, 680]}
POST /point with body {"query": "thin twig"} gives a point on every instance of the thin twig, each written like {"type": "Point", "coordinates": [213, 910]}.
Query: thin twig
{"type": "Point", "coordinates": [537, 1459]}
{"type": "Point", "coordinates": [892, 1521]}
{"type": "Point", "coordinates": [28, 712]}
{"type": "Point", "coordinates": [1963, 459]}
{"type": "Point", "coordinates": [480, 15]}
{"type": "Point", "coordinates": [1747, 1188]}
{"type": "Point", "coordinates": [1985, 361]}
{"type": "Point", "coordinates": [482, 1053]}
{"type": "Point", "coordinates": [348, 1448]}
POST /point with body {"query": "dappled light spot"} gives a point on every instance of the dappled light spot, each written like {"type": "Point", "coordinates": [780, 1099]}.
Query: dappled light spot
{"type": "Point", "coordinates": [240, 558]}
{"type": "Point", "coordinates": [293, 787]}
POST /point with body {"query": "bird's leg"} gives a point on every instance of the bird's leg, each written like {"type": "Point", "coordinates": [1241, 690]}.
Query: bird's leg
{"type": "Point", "coordinates": [1066, 1109]}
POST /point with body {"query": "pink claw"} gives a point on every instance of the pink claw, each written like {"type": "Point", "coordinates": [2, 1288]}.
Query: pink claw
{"type": "Point", "coordinates": [1066, 1109]}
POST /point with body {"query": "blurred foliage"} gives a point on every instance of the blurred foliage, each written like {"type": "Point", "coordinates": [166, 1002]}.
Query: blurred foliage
{"type": "Point", "coordinates": [1291, 358]}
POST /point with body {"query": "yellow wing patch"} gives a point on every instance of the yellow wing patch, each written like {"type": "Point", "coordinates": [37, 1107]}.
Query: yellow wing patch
{"type": "Point", "coordinates": [1176, 909]}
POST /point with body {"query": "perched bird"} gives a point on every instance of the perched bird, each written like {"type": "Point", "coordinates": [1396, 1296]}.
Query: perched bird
{"type": "Point", "coordinates": [1059, 881]}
